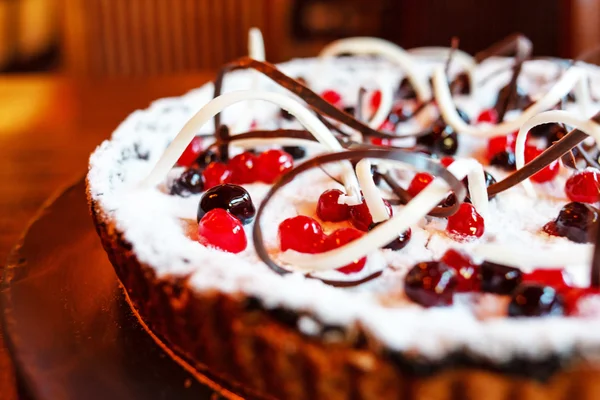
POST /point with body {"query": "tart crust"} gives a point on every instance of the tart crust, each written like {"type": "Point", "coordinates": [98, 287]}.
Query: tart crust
{"type": "Point", "coordinates": [250, 348]}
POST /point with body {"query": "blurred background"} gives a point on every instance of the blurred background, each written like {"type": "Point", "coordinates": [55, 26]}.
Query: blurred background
{"type": "Point", "coordinates": [150, 37]}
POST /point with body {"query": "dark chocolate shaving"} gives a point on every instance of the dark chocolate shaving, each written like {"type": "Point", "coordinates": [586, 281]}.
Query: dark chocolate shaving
{"type": "Point", "coordinates": [453, 46]}
{"type": "Point", "coordinates": [595, 270]}
{"type": "Point", "coordinates": [417, 161]}
{"type": "Point", "coordinates": [516, 44]}
{"type": "Point", "coordinates": [223, 137]}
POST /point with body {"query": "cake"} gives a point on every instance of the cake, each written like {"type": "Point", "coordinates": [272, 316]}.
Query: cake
{"type": "Point", "coordinates": [385, 224]}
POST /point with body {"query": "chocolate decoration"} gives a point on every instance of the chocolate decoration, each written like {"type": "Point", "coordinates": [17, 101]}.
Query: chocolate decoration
{"type": "Point", "coordinates": [222, 135]}
{"type": "Point", "coordinates": [453, 46]}
{"type": "Point", "coordinates": [595, 269]}
{"type": "Point", "coordinates": [517, 44]}
{"type": "Point", "coordinates": [417, 161]}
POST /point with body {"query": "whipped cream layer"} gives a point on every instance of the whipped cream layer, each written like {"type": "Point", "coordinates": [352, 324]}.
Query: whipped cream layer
{"type": "Point", "coordinates": [162, 228]}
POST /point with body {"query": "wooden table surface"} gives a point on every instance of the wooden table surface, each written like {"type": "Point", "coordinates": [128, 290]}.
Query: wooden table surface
{"type": "Point", "coordinates": [48, 126]}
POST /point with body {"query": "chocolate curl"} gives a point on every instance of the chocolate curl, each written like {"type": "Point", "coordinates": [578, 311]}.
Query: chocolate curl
{"type": "Point", "coordinates": [417, 161]}
{"type": "Point", "coordinates": [223, 136]}
{"type": "Point", "coordinates": [595, 270]}
{"type": "Point", "coordinates": [517, 44]}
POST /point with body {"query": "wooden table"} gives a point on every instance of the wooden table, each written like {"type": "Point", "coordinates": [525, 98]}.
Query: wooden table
{"type": "Point", "coordinates": [48, 126]}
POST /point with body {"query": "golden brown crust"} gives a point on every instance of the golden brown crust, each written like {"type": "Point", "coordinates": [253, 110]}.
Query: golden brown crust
{"type": "Point", "coordinates": [251, 349]}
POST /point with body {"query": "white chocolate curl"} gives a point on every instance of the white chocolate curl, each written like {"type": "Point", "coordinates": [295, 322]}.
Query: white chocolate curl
{"type": "Point", "coordinates": [389, 50]}
{"type": "Point", "coordinates": [385, 106]}
{"type": "Point", "coordinates": [556, 116]}
{"type": "Point", "coordinates": [256, 45]}
{"type": "Point", "coordinates": [371, 192]}
{"type": "Point", "coordinates": [444, 100]}
{"type": "Point", "coordinates": [216, 105]}
{"type": "Point", "coordinates": [473, 170]}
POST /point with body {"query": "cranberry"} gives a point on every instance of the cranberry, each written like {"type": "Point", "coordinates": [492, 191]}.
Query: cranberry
{"type": "Point", "coordinates": [361, 217]}
{"type": "Point", "coordinates": [534, 300]}
{"type": "Point", "coordinates": [302, 234]}
{"type": "Point", "coordinates": [400, 242]}
{"type": "Point", "coordinates": [271, 164]}
{"type": "Point", "coordinates": [546, 174]}
{"type": "Point", "coordinates": [216, 173]}
{"type": "Point", "coordinates": [375, 101]}
{"type": "Point", "coordinates": [232, 198]}
{"type": "Point", "coordinates": [328, 208]}
{"type": "Point", "coordinates": [501, 144]}
{"type": "Point", "coordinates": [242, 168]}
{"type": "Point", "coordinates": [191, 152]}
{"type": "Point", "coordinates": [499, 279]}
{"type": "Point", "coordinates": [584, 186]}
{"type": "Point", "coordinates": [340, 238]}
{"type": "Point", "coordinates": [333, 97]}
{"type": "Point", "coordinates": [466, 223]}
{"type": "Point", "coordinates": [296, 152]}
{"type": "Point", "coordinates": [446, 161]}
{"type": "Point", "coordinates": [467, 272]}
{"type": "Point", "coordinates": [219, 229]}
{"type": "Point", "coordinates": [419, 182]}
{"type": "Point", "coordinates": [575, 221]}
{"type": "Point", "coordinates": [489, 115]}
{"type": "Point", "coordinates": [557, 278]}
{"type": "Point", "coordinates": [190, 182]}
{"type": "Point", "coordinates": [430, 284]}
{"type": "Point", "coordinates": [505, 160]}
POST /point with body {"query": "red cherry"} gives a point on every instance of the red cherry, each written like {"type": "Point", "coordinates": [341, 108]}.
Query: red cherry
{"type": "Point", "coordinates": [328, 208]}
{"type": "Point", "coordinates": [446, 161]}
{"type": "Point", "coordinates": [340, 238]}
{"type": "Point", "coordinates": [271, 164]}
{"type": "Point", "coordinates": [242, 168]}
{"type": "Point", "coordinates": [375, 101]}
{"type": "Point", "coordinates": [387, 126]}
{"type": "Point", "coordinates": [558, 278]}
{"type": "Point", "coordinates": [219, 229]}
{"type": "Point", "coordinates": [500, 144]}
{"type": "Point", "coordinates": [361, 217]}
{"type": "Point", "coordinates": [333, 97]}
{"type": "Point", "coordinates": [216, 173]}
{"type": "Point", "coordinates": [191, 152]}
{"type": "Point", "coordinates": [419, 182]}
{"type": "Point", "coordinates": [302, 234]}
{"type": "Point", "coordinates": [490, 115]}
{"type": "Point", "coordinates": [466, 223]}
{"type": "Point", "coordinates": [467, 272]}
{"type": "Point", "coordinates": [584, 186]}
{"type": "Point", "coordinates": [548, 173]}
{"type": "Point", "coordinates": [380, 141]}
{"type": "Point", "coordinates": [573, 296]}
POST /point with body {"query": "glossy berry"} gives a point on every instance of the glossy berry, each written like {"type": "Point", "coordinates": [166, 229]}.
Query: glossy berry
{"type": "Point", "coordinates": [546, 174]}
{"type": "Point", "coordinates": [216, 173]}
{"type": "Point", "coordinates": [328, 208]}
{"type": "Point", "coordinates": [206, 157]}
{"type": "Point", "coordinates": [219, 229]}
{"type": "Point", "coordinates": [189, 182]}
{"type": "Point", "coordinates": [271, 164]}
{"type": "Point", "coordinates": [505, 160]}
{"type": "Point", "coordinates": [232, 198]}
{"type": "Point", "coordinates": [467, 272]}
{"type": "Point", "coordinates": [535, 300]}
{"type": "Point", "coordinates": [557, 278]}
{"type": "Point", "coordinates": [576, 221]}
{"type": "Point", "coordinates": [501, 144]}
{"type": "Point", "coordinates": [489, 115]}
{"type": "Point", "coordinates": [296, 152]}
{"type": "Point", "coordinates": [499, 279]}
{"type": "Point", "coordinates": [446, 161]}
{"type": "Point", "coordinates": [361, 217]}
{"type": "Point", "coordinates": [584, 186]}
{"type": "Point", "coordinates": [419, 182]}
{"type": "Point", "coordinates": [333, 97]}
{"type": "Point", "coordinates": [400, 242]}
{"type": "Point", "coordinates": [340, 238]}
{"type": "Point", "coordinates": [302, 234]}
{"type": "Point", "coordinates": [242, 168]}
{"type": "Point", "coordinates": [430, 284]}
{"type": "Point", "coordinates": [442, 138]}
{"type": "Point", "coordinates": [466, 223]}
{"type": "Point", "coordinates": [191, 152]}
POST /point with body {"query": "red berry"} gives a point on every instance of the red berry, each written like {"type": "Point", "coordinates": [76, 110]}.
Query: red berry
{"type": "Point", "coordinates": [557, 278]}
{"type": "Point", "coordinates": [302, 234]}
{"type": "Point", "coordinates": [328, 208]}
{"type": "Point", "coordinates": [271, 164]}
{"type": "Point", "coordinates": [446, 161]}
{"type": "Point", "coordinates": [191, 152]}
{"type": "Point", "coordinates": [242, 168]}
{"type": "Point", "coordinates": [419, 182]}
{"type": "Point", "coordinates": [546, 174]}
{"type": "Point", "coordinates": [572, 296]}
{"type": "Point", "coordinates": [333, 97]}
{"type": "Point", "coordinates": [219, 229]}
{"type": "Point", "coordinates": [465, 223]}
{"type": "Point", "coordinates": [380, 141]}
{"type": "Point", "coordinates": [338, 239]}
{"type": "Point", "coordinates": [216, 173]}
{"type": "Point", "coordinates": [584, 186]}
{"type": "Point", "coordinates": [375, 101]}
{"type": "Point", "coordinates": [490, 115]}
{"type": "Point", "coordinates": [467, 272]}
{"type": "Point", "coordinates": [387, 126]}
{"type": "Point", "coordinates": [500, 144]}
{"type": "Point", "coordinates": [361, 217]}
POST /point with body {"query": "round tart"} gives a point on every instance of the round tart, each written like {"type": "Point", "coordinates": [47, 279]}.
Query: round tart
{"type": "Point", "coordinates": [392, 224]}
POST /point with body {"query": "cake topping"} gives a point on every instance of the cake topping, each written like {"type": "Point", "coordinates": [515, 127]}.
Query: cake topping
{"type": "Point", "coordinates": [339, 238]}
{"type": "Point", "coordinates": [534, 300]}
{"type": "Point", "coordinates": [232, 198]}
{"type": "Point", "coordinates": [576, 221]}
{"type": "Point", "coordinates": [329, 207]}
{"type": "Point", "coordinates": [191, 152]}
{"type": "Point", "coordinates": [302, 234]}
{"type": "Point", "coordinates": [431, 284]}
{"type": "Point", "coordinates": [467, 272]}
{"type": "Point", "coordinates": [189, 182]}
{"type": "Point", "coordinates": [216, 173]}
{"type": "Point", "coordinates": [498, 278]}
{"type": "Point", "coordinates": [584, 186]}
{"type": "Point", "coordinates": [271, 164]}
{"type": "Point", "coordinates": [221, 230]}
{"type": "Point", "coordinates": [466, 224]}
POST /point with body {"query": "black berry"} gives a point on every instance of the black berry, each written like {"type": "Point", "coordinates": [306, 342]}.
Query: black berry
{"type": "Point", "coordinates": [206, 158]}
{"type": "Point", "coordinates": [535, 300]}
{"type": "Point", "coordinates": [505, 160]}
{"type": "Point", "coordinates": [232, 198]}
{"type": "Point", "coordinates": [401, 241]}
{"type": "Point", "coordinates": [430, 284]}
{"type": "Point", "coordinates": [499, 279]}
{"type": "Point", "coordinates": [576, 221]}
{"type": "Point", "coordinates": [295, 151]}
{"type": "Point", "coordinates": [189, 182]}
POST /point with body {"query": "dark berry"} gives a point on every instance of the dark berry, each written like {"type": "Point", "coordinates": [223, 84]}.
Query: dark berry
{"type": "Point", "coordinates": [543, 130]}
{"type": "Point", "coordinates": [547, 173]}
{"type": "Point", "coordinates": [406, 90]}
{"type": "Point", "coordinates": [232, 198]}
{"type": "Point", "coordinates": [400, 242]}
{"type": "Point", "coordinates": [191, 152]}
{"type": "Point", "coordinates": [430, 284]}
{"type": "Point", "coordinates": [328, 208]}
{"type": "Point", "coordinates": [190, 182]}
{"type": "Point", "coordinates": [361, 217]}
{"type": "Point", "coordinates": [296, 152]}
{"type": "Point", "coordinates": [535, 300]}
{"type": "Point", "coordinates": [467, 272]}
{"type": "Point", "coordinates": [419, 182]}
{"type": "Point", "coordinates": [206, 157]}
{"type": "Point", "coordinates": [302, 234]}
{"type": "Point", "coordinates": [285, 115]}
{"type": "Point", "coordinates": [556, 133]}
{"type": "Point", "coordinates": [271, 164]}
{"type": "Point", "coordinates": [584, 186]}
{"type": "Point", "coordinates": [505, 160]}
{"type": "Point", "coordinates": [575, 221]}
{"type": "Point", "coordinates": [376, 175]}
{"type": "Point", "coordinates": [557, 278]}
{"type": "Point", "coordinates": [219, 229]}
{"type": "Point", "coordinates": [442, 138]}
{"type": "Point", "coordinates": [340, 238]}
{"type": "Point", "coordinates": [499, 279]}
{"type": "Point", "coordinates": [242, 168]}
{"type": "Point", "coordinates": [216, 173]}
{"type": "Point", "coordinates": [350, 110]}
{"type": "Point", "coordinates": [466, 223]}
